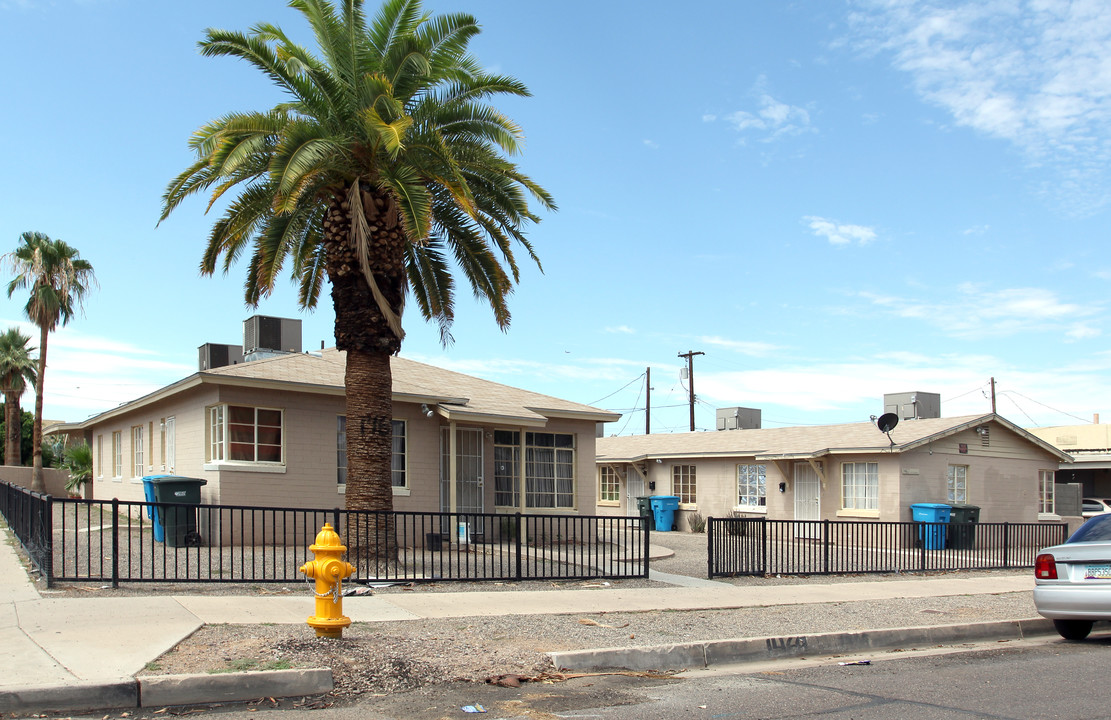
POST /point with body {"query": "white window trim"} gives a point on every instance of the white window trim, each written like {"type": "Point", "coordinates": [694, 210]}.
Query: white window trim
{"type": "Point", "coordinates": [864, 512]}
{"type": "Point", "coordinates": [222, 463]}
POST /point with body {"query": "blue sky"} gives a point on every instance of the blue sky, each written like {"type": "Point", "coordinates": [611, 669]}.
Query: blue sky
{"type": "Point", "coordinates": [831, 200]}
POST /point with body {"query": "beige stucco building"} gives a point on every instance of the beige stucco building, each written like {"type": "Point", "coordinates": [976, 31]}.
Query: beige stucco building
{"type": "Point", "coordinates": [837, 472]}
{"type": "Point", "coordinates": [271, 432]}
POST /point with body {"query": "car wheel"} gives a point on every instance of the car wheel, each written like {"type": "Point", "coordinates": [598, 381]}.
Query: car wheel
{"type": "Point", "coordinates": [1073, 629]}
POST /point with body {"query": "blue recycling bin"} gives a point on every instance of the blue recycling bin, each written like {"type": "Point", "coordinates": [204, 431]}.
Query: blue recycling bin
{"type": "Point", "coordinates": [663, 509]}
{"type": "Point", "coordinates": [935, 516]}
{"type": "Point", "coordinates": [155, 518]}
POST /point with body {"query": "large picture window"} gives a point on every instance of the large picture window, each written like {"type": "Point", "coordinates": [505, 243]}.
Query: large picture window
{"type": "Point", "coordinates": [549, 469]}
{"type": "Point", "coordinates": [398, 464]}
{"type": "Point", "coordinates": [684, 484]}
{"type": "Point", "coordinates": [860, 486]}
{"type": "Point", "coordinates": [752, 485]}
{"type": "Point", "coordinates": [239, 433]}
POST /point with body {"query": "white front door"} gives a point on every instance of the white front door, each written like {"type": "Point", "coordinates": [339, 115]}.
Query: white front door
{"type": "Point", "coordinates": [808, 496]}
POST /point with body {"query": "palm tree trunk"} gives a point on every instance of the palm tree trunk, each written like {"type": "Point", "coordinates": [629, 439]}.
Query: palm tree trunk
{"type": "Point", "coordinates": [363, 332]}
{"type": "Point", "coordinates": [13, 430]}
{"type": "Point", "coordinates": [37, 482]}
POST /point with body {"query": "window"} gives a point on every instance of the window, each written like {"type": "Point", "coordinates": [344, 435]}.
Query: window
{"type": "Point", "coordinates": [752, 485]}
{"type": "Point", "coordinates": [137, 451]}
{"type": "Point", "coordinates": [169, 444]}
{"type": "Point", "coordinates": [397, 464]}
{"type": "Point", "coordinates": [684, 484]}
{"type": "Point", "coordinates": [244, 434]}
{"type": "Point", "coordinates": [958, 484]}
{"type": "Point", "coordinates": [1046, 504]}
{"type": "Point", "coordinates": [117, 454]}
{"type": "Point", "coordinates": [549, 469]}
{"type": "Point", "coordinates": [609, 485]}
{"type": "Point", "coordinates": [860, 486]}
{"type": "Point", "coordinates": [341, 449]}
{"type": "Point", "coordinates": [216, 433]}
{"type": "Point", "coordinates": [507, 460]}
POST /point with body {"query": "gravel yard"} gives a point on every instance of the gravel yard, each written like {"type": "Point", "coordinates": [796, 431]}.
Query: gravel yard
{"type": "Point", "coordinates": [389, 657]}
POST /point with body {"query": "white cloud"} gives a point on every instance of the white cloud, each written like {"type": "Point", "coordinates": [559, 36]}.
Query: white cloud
{"type": "Point", "coordinates": [772, 118]}
{"type": "Point", "coordinates": [651, 144]}
{"type": "Point", "coordinates": [621, 330]}
{"type": "Point", "coordinates": [839, 234]}
{"type": "Point", "coordinates": [969, 311]}
{"type": "Point", "coordinates": [1034, 73]}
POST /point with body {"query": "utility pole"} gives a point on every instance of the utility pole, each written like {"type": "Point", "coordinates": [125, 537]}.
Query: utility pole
{"type": "Point", "coordinates": [993, 396]}
{"type": "Point", "coordinates": [648, 401]}
{"type": "Point", "coordinates": [689, 355]}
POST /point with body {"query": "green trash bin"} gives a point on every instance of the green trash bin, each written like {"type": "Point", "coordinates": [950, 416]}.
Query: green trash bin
{"type": "Point", "coordinates": [962, 526]}
{"type": "Point", "coordinates": [644, 507]}
{"type": "Point", "coordinates": [179, 522]}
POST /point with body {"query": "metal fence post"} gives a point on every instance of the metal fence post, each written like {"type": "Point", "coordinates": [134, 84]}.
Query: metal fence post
{"type": "Point", "coordinates": [763, 546]}
{"type": "Point", "coordinates": [825, 547]}
{"type": "Point", "coordinates": [48, 542]}
{"type": "Point", "coordinates": [709, 547]}
{"type": "Point", "coordinates": [517, 542]}
{"type": "Point", "coordinates": [1006, 544]}
{"type": "Point", "coordinates": [115, 542]}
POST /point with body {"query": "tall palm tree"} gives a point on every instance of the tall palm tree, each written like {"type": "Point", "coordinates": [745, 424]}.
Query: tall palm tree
{"type": "Point", "coordinates": [17, 369]}
{"type": "Point", "coordinates": [383, 170]}
{"type": "Point", "coordinates": [58, 279]}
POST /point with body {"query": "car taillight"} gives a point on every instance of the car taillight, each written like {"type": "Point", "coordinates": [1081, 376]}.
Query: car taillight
{"type": "Point", "coordinates": [1045, 567]}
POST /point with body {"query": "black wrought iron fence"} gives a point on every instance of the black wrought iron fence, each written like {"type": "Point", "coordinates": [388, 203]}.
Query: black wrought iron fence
{"type": "Point", "coordinates": [757, 546]}
{"type": "Point", "coordinates": [28, 515]}
{"type": "Point", "coordinates": [124, 541]}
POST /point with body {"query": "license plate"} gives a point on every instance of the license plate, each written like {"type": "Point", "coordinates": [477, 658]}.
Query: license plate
{"type": "Point", "coordinates": [1098, 572]}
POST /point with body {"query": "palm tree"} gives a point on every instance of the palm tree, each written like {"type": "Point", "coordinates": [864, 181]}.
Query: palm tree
{"type": "Point", "coordinates": [57, 278]}
{"type": "Point", "coordinates": [17, 369]}
{"type": "Point", "coordinates": [383, 170]}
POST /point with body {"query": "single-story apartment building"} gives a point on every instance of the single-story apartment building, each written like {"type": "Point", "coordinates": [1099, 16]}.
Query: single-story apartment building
{"type": "Point", "coordinates": [837, 472]}
{"type": "Point", "coordinates": [271, 432]}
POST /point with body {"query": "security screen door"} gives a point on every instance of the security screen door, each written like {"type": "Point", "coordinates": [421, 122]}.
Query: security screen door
{"type": "Point", "coordinates": [808, 495]}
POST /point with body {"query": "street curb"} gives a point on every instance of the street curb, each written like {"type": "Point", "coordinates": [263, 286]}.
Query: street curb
{"type": "Point", "coordinates": [699, 655]}
{"type": "Point", "coordinates": [64, 698]}
{"type": "Point", "coordinates": [163, 690]}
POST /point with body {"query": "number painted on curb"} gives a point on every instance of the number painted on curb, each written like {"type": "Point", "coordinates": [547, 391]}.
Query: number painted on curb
{"type": "Point", "coordinates": [788, 643]}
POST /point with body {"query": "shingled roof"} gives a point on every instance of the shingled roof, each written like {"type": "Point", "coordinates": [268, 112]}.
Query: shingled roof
{"type": "Point", "coordinates": [454, 395]}
{"type": "Point", "coordinates": [800, 442]}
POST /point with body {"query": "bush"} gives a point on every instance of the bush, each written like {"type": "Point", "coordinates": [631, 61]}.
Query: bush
{"type": "Point", "coordinates": [697, 522]}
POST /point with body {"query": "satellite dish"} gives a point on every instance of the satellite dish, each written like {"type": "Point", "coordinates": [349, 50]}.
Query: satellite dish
{"type": "Point", "coordinates": [887, 422]}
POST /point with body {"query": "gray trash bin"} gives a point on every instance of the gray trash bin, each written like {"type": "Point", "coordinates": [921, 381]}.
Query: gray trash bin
{"type": "Point", "coordinates": [179, 522]}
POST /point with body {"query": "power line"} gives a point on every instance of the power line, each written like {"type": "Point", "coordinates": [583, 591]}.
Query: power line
{"type": "Point", "coordinates": [1047, 407]}
{"type": "Point", "coordinates": [637, 378]}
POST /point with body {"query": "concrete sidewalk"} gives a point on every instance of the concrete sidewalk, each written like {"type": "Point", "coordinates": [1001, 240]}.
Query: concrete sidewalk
{"type": "Point", "coordinates": [84, 653]}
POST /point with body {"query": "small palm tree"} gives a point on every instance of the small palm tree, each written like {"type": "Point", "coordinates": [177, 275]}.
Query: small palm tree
{"type": "Point", "coordinates": [58, 279]}
{"type": "Point", "coordinates": [78, 461]}
{"type": "Point", "coordinates": [383, 170]}
{"type": "Point", "coordinates": [17, 369]}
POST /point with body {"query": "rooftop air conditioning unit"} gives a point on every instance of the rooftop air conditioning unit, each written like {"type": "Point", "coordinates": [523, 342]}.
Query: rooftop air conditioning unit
{"type": "Point", "coordinates": [271, 333]}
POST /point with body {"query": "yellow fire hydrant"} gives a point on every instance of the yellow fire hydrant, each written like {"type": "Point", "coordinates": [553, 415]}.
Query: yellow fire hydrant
{"type": "Point", "coordinates": [329, 571]}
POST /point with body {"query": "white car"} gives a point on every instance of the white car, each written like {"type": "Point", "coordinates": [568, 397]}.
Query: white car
{"type": "Point", "coordinates": [1090, 507]}
{"type": "Point", "coordinates": [1073, 580]}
